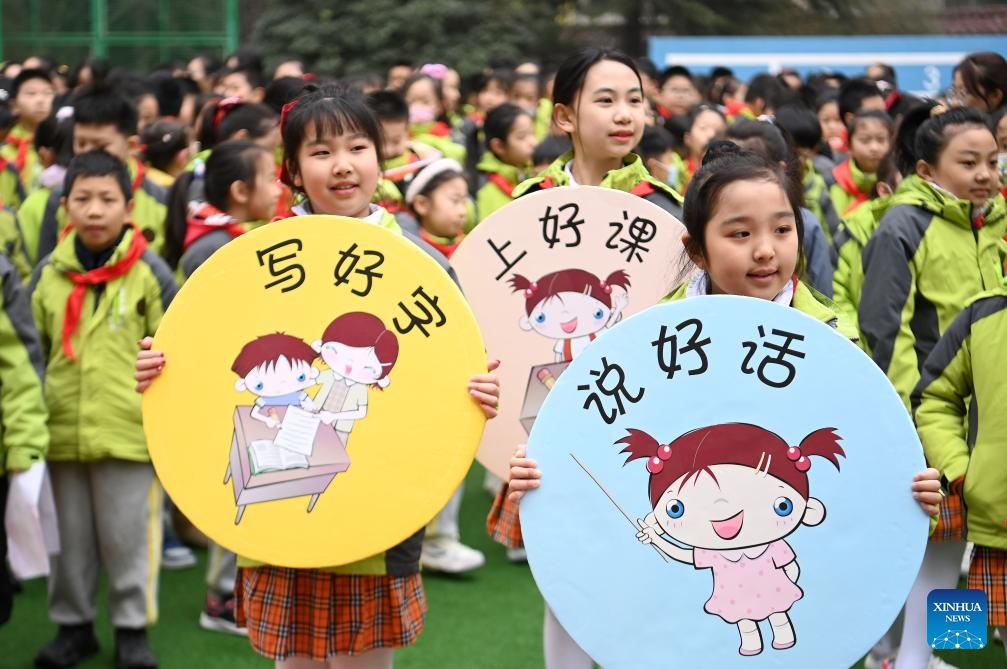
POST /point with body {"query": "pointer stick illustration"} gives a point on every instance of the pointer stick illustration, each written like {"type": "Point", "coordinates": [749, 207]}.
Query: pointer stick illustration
{"type": "Point", "coordinates": [636, 525]}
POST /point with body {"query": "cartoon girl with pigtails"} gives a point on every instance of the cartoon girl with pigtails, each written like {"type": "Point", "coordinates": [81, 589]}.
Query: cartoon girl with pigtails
{"type": "Point", "coordinates": [572, 306]}
{"type": "Point", "coordinates": [732, 492]}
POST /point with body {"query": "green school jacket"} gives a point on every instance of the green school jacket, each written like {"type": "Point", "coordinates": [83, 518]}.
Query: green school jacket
{"type": "Point", "coordinates": [922, 265]}
{"type": "Point", "coordinates": [627, 178]}
{"type": "Point", "coordinates": [843, 199]}
{"type": "Point", "coordinates": [32, 167]}
{"type": "Point", "coordinates": [968, 362]}
{"type": "Point", "coordinates": [807, 300]}
{"type": "Point", "coordinates": [491, 196]}
{"type": "Point", "coordinates": [12, 244]}
{"type": "Point", "coordinates": [43, 221]}
{"type": "Point", "coordinates": [12, 192]}
{"type": "Point", "coordinates": [850, 240]}
{"type": "Point", "coordinates": [24, 437]}
{"type": "Point", "coordinates": [94, 412]}
{"type": "Point", "coordinates": [818, 200]}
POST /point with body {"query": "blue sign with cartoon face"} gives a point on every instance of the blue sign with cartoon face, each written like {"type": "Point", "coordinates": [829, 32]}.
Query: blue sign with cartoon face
{"type": "Point", "coordinates": [717, 477]}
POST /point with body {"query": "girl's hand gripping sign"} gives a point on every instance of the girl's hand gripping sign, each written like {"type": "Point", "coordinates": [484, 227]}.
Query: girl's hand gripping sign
{"type": "Point", "coordinates": [550, 273]}
{"type": "Point", "coordinates": [313, 408]}
{"type": "Point", "coordinates": [725, 483]}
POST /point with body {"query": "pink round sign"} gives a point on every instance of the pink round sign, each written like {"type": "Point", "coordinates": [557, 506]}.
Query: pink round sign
{"type": "Point", "coordinates": [550, 273]}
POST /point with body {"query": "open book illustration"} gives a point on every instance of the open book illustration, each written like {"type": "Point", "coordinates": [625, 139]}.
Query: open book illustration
{"type": "Point", "coordinates": [268, 456]}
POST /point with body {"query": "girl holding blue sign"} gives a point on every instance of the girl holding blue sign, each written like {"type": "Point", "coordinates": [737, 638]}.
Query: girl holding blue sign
{"type": "Point", "coordinates": [744, 233]}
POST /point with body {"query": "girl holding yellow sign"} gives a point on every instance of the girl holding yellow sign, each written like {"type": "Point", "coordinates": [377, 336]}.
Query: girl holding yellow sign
{"type": "Point", "coordinates": [317, 617]}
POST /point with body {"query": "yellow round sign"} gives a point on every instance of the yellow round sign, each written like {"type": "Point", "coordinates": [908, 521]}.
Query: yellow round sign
{"type": "Point", "coordinates": [313, 409]}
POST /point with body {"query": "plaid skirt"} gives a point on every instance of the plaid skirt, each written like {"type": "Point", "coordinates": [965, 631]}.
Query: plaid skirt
{"type": "Point", "coordinates": [316, 614]}
{"type": "Point", "coordinates": [988, 573]}
{"type": "Point", "coordinates": [951, 521]}
{"type": "Point", "coordinates": [503, 524]}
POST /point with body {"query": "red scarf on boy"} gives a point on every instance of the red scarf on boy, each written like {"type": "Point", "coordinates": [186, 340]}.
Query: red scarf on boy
{"type": "Point", "coordinates": [22, 144]}
{"type": "Point", "coordinates": [99, 275]}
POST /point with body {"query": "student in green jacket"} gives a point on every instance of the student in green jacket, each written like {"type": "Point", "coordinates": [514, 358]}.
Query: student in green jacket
{"type": "Point", "coordinates": [510, 142]}
{"type": "Point", "coordinates": [99, 292]}
{"type": "Point", "coordinates": [24, 437]}
{"type": "Point", "coordinates": [922, 265]}
{"type": "Point", "coordinates": [103, 120]}
{"type": "Point", "coordinates": [966, 366]}
{"type": "Point", "coordinates": [853, 232]}
{"type": "Point", "coordinates": [32, 94]}
{"type": "Point", "coordinates": [744, 233]}
{"type": "Point", "coordinates": [870, 138]}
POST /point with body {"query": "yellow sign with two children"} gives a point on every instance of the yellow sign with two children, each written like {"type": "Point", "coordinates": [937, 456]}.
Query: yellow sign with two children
{"type": "Point", "coordinates": [313, 409]}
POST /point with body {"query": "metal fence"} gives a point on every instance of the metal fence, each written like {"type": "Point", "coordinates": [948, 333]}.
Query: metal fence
{"type": "Point", "coordinates": [134, 33]}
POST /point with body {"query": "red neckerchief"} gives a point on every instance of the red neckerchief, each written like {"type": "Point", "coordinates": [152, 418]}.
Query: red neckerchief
{"type": "Point", "coordinates": [440, 129]}
{"type": "Point", "coordinates": [501, 182]}
{"type": "Point", "coordinates": [204, 218]}
{"type": "Point", "coordinates": [663, 111]}
{"type": "Point", "coordinates": [286, 199]}
{"type": "Point", "coordinates": [844, 177]}
{"type": "Point", "coordinates": [22, 144]}
{"type": "Point", "coordinates": [99, 275]}
{"type": "Point", "coordinates": [446, 249]}
{"type": "Point", "coordinates": [141, 174]}
{"type": "Point", "coordinates": [568, 347]}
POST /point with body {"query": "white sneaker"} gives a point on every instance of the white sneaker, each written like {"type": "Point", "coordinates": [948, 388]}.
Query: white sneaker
{"type": "Point", "coordinates": [178, 557]}
{"type": "Point", "coordinates": [996, 635]}
{"type": "Point", "coordinates": [938, 663]}
{"type": "Point", "coordinates": [450, 556]}
{"type": "Point", "coordinates": [517, 555]}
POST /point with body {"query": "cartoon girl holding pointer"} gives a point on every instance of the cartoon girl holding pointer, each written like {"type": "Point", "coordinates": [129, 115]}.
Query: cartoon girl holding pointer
{"type": "Point", "coordinates": [733, 492]}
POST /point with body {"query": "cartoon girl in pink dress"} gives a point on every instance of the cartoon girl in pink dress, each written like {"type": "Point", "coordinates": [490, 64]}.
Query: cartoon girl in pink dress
{"type": "Point", "coordinates": [572, 306]}
{"type": "Point", "coordinates": [733, 492]}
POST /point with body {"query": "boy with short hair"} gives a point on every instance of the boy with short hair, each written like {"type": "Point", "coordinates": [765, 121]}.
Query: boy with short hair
{"type": "Point", "coordinates": [103, 120]}
{"type": "Point", "coordinates": [32, 94]}
{"type": "Point", "coordinates": [98, 293]}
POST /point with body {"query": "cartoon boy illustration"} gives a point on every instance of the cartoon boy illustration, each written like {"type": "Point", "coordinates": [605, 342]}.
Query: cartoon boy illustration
{"type": "Point", "coordinates": [732, 492]}
{"type": "Point", "coordinates": [277, 368]}
{"type": "Point", "coordinates": [572, 306]}
{"type": "Point", "coordinates": [360, 352]}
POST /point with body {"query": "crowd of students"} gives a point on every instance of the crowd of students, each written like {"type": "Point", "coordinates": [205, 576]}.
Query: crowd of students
{"type": "Point", "coordinates": [116, 186]}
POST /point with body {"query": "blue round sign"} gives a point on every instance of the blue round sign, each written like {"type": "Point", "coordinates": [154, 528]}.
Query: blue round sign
{"type": "Point", "coordinates": [725, 482]}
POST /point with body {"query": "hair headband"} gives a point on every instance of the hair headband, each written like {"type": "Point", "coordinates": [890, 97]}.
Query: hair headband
{"type": "Point", "coordinates": [426, 175]}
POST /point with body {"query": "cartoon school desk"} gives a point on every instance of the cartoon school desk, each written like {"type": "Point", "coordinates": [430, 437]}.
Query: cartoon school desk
{"type": "Point", "coordinates": [328, 458]}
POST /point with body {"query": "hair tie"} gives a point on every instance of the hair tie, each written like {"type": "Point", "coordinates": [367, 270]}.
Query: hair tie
{"type": "Point", "coordinates": [801, 463]}
{"type": "Point", "coordinates": [607, 289]}
{"type": "Point", "coordinates": [530, 290]}
{"type": "Point", "coordinates": [656, 464]}
{"type": "Point", "coordinates": [224, 107]}
{"type": "Point", "coordinates": [937, 110]}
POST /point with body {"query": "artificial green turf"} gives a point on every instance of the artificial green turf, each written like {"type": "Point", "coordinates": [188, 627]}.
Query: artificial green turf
{"type": "Point", "coordinates": [491, 619]}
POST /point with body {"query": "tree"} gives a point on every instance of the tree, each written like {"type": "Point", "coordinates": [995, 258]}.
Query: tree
{"type": "Point", "coordinates": [369, 35]}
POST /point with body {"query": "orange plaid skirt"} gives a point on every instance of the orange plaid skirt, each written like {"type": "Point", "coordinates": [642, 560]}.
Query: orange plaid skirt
{"type": "Point", "coordinates": [988, 573]}
{"type": "Point", "coordinates": [316, 614]}
{"type": "Point", "coordinates": [503, 523]}
{"type": "Point", "coordinates": [951, 522]}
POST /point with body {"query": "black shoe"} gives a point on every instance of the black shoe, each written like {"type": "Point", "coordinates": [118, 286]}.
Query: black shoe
{"type": "Point", "coordinates": [73, 644]}
{"type": "Point", "coordinates": [132, 650]}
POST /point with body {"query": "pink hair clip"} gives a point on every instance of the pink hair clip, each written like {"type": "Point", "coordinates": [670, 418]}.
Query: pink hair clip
{"type": "Point", "coordinates": [530, 290]}
{"type": "Point", "coordinates": [607, 288]}
{"type": "Point", "coordinates": [801, 463]}
{"type": "Point", "coordinates": [656, 464]}
{"type": "Point", "coordinates": [435, 70]}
